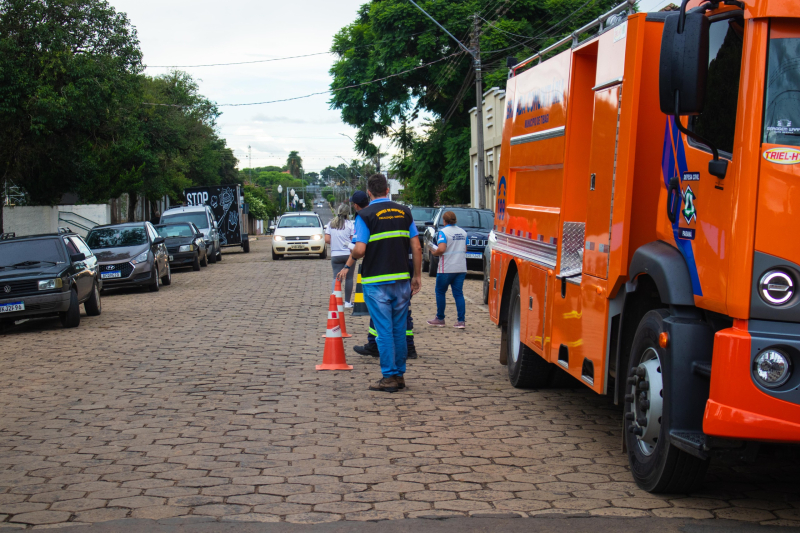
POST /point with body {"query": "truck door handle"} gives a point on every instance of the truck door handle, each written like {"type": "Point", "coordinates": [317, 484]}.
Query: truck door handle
{"type": "Point", "coordinates": [674, 198]}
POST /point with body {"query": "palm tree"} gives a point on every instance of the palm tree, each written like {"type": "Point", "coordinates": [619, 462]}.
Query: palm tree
{"type": "Point", "coordinates": [294, 164]}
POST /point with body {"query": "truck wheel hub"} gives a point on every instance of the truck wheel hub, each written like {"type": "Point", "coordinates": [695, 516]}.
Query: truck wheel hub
{"type": "Point", "coordinates": [647, 391]}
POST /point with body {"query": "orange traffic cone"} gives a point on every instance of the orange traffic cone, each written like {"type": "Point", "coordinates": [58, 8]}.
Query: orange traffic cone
{"type": "Point", "coordinates": [333, 358]}
{"type": "Point", "coordinates": [337, 292]}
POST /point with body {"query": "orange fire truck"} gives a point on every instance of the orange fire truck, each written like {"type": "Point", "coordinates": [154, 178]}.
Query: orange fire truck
{"type": "Point", "coordinates": [649, 186]}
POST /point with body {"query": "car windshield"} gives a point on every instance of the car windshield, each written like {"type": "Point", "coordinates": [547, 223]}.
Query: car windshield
{"type": "Point", "coordinates": [30, 252]}
{"type": "Point", "coordinates": [175, 230]}
{"type": "Point", "coordinates": [472, 218]}
{"type": "Point", "coordinates": [199, 219]}
{"type": "Point", "coordinates": [423, 214]}
{"type": "Point", "coordinates": [299, 221]}
{"type": "Point", "coordinates": [120, 237]}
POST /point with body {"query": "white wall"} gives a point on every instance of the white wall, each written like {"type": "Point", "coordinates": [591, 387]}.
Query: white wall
{"type": "Point", "coordinates": [32, 220]}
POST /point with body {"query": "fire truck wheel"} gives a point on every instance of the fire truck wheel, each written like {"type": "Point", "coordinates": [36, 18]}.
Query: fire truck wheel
{"type": "Point", "coordinates": [656, 465]}
{"type": "Point", "coordinates": [526, 369]}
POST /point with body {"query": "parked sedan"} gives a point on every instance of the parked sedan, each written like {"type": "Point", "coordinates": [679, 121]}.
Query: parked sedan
{"type": "Point", "coordinates": [476, 222]}
{"type": "Point", "coordinates": [47, 275]}
{"type": "Point", "coordinates": [185, 245]}
{"type": "Point", "coordinates": [130, 255]}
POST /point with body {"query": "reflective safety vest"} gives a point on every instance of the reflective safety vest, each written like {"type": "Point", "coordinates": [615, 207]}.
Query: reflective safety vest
{"type": "Point", "coordinates": [386, 257]}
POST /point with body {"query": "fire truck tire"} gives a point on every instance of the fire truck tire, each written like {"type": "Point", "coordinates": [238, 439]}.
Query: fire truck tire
{"type": "Point", "coordinates": [526, 369]}
{"type": "Point", "coordinates": [657, 466]}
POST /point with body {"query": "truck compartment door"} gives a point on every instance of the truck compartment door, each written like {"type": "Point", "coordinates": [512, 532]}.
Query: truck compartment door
{"type": "Point", "coordinates": [602, 167]}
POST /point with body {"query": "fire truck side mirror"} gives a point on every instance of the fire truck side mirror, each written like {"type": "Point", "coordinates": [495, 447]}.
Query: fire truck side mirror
{"type": "Point", "coordinates": [683, 68]}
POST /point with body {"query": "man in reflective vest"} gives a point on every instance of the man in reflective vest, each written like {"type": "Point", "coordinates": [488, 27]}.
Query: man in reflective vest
{"type": "Point", "coordinates": [385, 233]}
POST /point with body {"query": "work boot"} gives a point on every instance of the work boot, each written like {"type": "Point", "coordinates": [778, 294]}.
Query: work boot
{"type": "Point", "coordinates": [412, 354]}
{"type": "Point", "coordinates": [438, 322]}
{"type": "Point", "coordinates": [367, 349]}
{"type": "Point", "coordinates": [401, 382]}
{"type": "Point", "coordinates": [385, 385]}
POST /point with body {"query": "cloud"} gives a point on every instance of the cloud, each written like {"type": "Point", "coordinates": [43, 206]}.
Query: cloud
{"type": "Point", "coordinates": [293, 120]}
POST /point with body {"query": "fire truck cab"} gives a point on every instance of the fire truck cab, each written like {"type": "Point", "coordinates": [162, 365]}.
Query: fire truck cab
{"type": "Point", "coordinates": [645, 205]}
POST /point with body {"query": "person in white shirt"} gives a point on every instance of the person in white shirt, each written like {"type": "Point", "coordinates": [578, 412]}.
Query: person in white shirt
{"type": "Point", "coordinates": [339, 234]}
{"type": "Point", "coordinates": [452, 269]}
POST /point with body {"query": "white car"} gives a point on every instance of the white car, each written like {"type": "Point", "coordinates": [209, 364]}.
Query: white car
{"type": "Point", "coordinates": [298, 234]}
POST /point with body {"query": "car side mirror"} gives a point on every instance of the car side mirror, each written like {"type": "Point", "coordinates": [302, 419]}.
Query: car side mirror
{"type": "Point", "coordinates": [682, 75]}
{"type": "Point", "coordinates": [683, 67]}
{"type": "Point", "coordinates": [159, 240]}
{"type": "Point", "coordinates": [77, 257]}
{"type": "Point", "coordinates": [272, 228]}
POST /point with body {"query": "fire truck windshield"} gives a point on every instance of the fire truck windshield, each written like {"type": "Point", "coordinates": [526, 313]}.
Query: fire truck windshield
{"type": "Point", "coordinates": [782, 102]}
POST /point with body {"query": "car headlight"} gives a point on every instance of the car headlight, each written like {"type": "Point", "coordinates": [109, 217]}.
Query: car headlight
{"type": "Point", "coordinates": [141, 258]}
{"type": "Point", "coordinates": [316, 237]}
{"type": "Point", "coordinates": [186, 248]}
{"type": "Point", "coordinates": [278, 238]}
{"type": "Point", "coordinates": [772, 368]}
{"type": "Point", "coordinates": [50, 284]}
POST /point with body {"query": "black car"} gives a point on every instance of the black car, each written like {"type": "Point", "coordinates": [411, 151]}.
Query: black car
{"type": "Point", "coordinates": [185, 245]}
{"type": "Point", "coordinates": [421, 216]}
{"type": "Point", "coordinates": [130, 255]}
{"type": "Point", "coordinates": [47, 275]}
{"type": "Point", "coordinates": [476, 222]}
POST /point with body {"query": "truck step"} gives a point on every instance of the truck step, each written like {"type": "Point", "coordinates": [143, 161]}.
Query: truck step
{"type": "Point", "coordinates": [702, 369]}
{"type": "Point", "coordinates": [692, 442]}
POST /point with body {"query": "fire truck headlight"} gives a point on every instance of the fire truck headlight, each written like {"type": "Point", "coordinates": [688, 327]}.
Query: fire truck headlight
{"type": "Point", "coordinates": [772, 368]}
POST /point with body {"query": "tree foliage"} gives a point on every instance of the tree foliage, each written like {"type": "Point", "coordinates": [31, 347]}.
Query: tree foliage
{"type": "Point", "coordinates": [72, 113]}
{"type": "Point", "coordinates": [391, 36]}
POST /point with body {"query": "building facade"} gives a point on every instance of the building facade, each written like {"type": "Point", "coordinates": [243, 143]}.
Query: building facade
{"type": "Point", "coordinates": [493, 120]}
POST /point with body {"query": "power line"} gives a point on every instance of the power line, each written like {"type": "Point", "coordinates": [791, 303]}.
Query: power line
{"type": "Point", "coordinates": [318, 93]}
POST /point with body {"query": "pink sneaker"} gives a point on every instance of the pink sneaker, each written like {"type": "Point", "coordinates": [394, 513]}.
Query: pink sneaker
{"type": "Point", "coordinates": [460, 325]}
{"type": "Point", "coordinates": [439, 323]}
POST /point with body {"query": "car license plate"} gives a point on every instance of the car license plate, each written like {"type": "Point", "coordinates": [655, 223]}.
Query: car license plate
{"type": "Point", "coordinates": [172, 258]}
{"type": "Point", "coordinates": [111, 275]}
{"type": "Point", "coordinates": [297, 247]}
{"type": "Point", "coordinates": [12, 307]}
{"type": "Point", "coordinates": [474, 256]}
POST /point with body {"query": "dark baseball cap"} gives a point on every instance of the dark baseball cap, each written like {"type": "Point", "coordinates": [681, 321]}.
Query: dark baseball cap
{"type": "Point", "coordinates": [360, 198]}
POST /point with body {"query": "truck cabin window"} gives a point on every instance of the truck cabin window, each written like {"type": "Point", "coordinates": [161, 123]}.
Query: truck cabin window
{"type": "Point", "coordinates": [782, 99]}
{"type": "Point", "coordinates": [717, 122]}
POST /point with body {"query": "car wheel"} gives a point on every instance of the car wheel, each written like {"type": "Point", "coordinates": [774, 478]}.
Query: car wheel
{"type": "Point", "coordinates": [92, 305]}
{"type": "Point", "coordinates": [246, 247]}
{"type": "Point", "coordinates": [526, 369]}
{"type": "Point", "coordinates": [434, 264]}
{"type": "Point", "coordinates": [487, 277]}
{"type": "Point", "coordinates": [196, 262]}
{"type": "Point", "coordinates": [275, 257]}
{"type": "Point", "coordinates": [324, 254]}
{"type": "Point", "coordinates": [656, 465]}
{"type": "Point", "coordinates": [156, 284]}
{"type": "Point", "coordinates": [426, 265]}
{"type": "Point", "coordinates": [219, 254]}
{"type": "Point", "coordinates": [71, 318]}
{"type": "Point", "coordinates": [204, 261]}
{"type": "Point", "coordinates": [167, 280]}
{"type": "Point", "coordinates": [212, 258]}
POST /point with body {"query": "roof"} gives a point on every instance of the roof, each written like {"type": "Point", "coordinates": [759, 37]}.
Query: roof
{"type": "Point", "coordinates": [122, 225]}
{"type": "Point", "coordinates": [37, 236]}
{"type": "Point", "coordinates": [295, 213]}
{"type": "Point", "coordinates": [185, 209]}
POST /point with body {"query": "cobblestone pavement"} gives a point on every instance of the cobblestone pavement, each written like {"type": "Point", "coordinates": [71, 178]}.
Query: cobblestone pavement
{"type": "Point", "coordinates": [202, 400]}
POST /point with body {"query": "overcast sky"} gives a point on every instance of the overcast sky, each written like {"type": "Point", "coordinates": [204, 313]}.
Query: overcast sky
{"type": "Point", "coordinates": [195, 32]}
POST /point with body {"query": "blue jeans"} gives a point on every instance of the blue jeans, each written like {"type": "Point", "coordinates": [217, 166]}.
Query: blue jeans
{"type": "Point", "coordinates": [388, 306]}
{"type": "Point", "coordinates": [456, 281]}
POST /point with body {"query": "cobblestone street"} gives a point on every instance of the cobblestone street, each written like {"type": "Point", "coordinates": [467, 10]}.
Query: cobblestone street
{"type": "Point", "coordinates": [202, 400]}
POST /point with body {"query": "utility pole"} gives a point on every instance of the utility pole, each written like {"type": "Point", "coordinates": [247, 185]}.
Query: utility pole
{"type": "Point", "coordinates": [476, 54]}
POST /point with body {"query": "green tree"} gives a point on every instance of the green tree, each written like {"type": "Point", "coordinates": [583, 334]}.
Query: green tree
{"type": "Point", "coordinates": [391, 36]}
{"type": "Point", "coordinates": [69, 87]}
{"type": "Point", "coordinates": [294, 164]}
